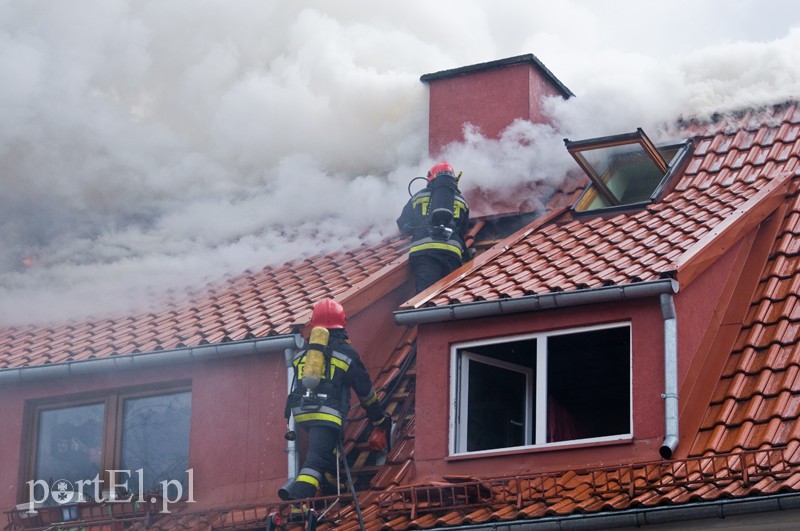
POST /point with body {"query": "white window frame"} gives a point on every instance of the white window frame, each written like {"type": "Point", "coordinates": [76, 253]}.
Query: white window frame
{"type": "Point", "coordinates": [467, 358]}
{"type": "Point", "coordinates": [458, 417]}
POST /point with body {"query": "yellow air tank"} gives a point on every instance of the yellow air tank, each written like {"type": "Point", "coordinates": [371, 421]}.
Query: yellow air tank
{"type": "Point", "coordinates": [315, 358]}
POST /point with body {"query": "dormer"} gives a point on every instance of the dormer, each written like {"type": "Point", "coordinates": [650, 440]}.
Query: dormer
{"type": "Point", "coordinates": [558, 348]}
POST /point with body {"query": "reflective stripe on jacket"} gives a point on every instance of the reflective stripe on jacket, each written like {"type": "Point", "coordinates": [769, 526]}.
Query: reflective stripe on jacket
{"type": "Point", "coordinates": [414, 220]}
{"type": "Point", "coordinates": [331, 404]}
{"type": "Point", "coordinates": [422, 200]}
{"type": "Point", "coordinates": [343, 371]}
{"type": "Point", "coordinates": [423, 244]}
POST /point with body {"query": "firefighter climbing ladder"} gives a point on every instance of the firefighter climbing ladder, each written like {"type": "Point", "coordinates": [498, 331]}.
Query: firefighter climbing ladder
{"type": "Point", "coordinates": [310, 516]}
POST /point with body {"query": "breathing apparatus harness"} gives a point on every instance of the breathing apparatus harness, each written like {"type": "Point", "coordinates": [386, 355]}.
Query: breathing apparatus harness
{"type": "Point", "coordinates": [440, 214]}
{"type": "Point", "coordinates": [311, 376]}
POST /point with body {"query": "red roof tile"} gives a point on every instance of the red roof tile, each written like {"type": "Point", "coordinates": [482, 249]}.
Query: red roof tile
{"type": "Point", "coordinates": [253, 304]}
{"type": "Point", "coordinates": [567, 254]}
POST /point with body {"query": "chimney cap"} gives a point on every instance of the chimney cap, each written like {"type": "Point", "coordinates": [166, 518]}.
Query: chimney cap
{"type": "Point", "coordinates": [500, 63]}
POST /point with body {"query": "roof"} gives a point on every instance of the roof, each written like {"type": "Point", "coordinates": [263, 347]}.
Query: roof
{"type": "Point", "coordinates": [731, 184]}
{"type": "Point", "coordinates": [254, 304]}
{"type": "Point", "coordinates": [742, 175]}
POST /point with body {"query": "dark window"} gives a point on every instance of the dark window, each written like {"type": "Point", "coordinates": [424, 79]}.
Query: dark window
{"type": "Point", "coordinates": [144, 433]}
{"type": "Point", "coordinates": [155, 438]}
{"type": "Point", "coordinates": [624, 170]}
{"type": "Point", "coordinates": [70, 443]}
{"type": "Point", "coordinates": [498, 394]}
{"type": "Point", "coordinates": [543, 389]}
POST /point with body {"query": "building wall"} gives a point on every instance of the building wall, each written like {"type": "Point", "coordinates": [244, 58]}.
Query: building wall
{"type": "Point", "coordinates": [237, 427]}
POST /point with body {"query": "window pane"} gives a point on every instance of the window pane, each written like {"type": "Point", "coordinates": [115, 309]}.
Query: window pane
{"type": "Point", "coordinates": [155, 438]}
{"type": "Point", "coordinates": [69, 444]}
{"type": "Point", "coordinates": [496, 407]}
{"type": "Point", "coordinates": [588, 384]}
{"type": "Point", "coordinates": [628, 171]}
{"type": "Point", "coordinates": [624, 170]}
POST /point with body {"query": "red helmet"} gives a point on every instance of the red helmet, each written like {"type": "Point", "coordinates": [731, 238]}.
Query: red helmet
{"type": "Point", "coordinates": [440, 168]}
{"type": "Point", "coordinates": [328, 313]}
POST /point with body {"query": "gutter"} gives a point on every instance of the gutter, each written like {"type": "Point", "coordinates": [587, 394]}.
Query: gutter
{"type": "Point", "coordinates": [698, 514]}
{"type": "Point", "coordinates": [150, 359]}
{"type": "Point", "coordinates": [532, 303]}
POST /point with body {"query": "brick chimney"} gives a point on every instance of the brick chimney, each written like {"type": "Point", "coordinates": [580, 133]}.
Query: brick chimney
{"type": "Point", "coordinates": [488, 95]}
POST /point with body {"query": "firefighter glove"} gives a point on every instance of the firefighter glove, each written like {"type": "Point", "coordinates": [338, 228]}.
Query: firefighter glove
{"type": "Point", "coordinates": [380, 438]}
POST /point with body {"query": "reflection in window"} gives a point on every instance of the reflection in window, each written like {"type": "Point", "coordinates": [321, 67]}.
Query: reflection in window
{"type": "Point", "coordinates": [588, 377]}
{"type": "Point", "coordinates": [498, 397]}
{"type": "Point", "coordinates": [625, 169]}
{"type": "Point", "coordinates": [544, 389]}
{"type": "Point", "coordinates": [70, 443]}
{"type": "Point", "coordinates": [156, 439]}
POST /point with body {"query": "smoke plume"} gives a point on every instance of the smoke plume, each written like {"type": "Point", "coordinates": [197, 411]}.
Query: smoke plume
{"type": "Point", "coordinates": [150, 144]}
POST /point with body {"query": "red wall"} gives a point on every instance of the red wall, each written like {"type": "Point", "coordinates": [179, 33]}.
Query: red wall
{"type": "Point", "coordinates": [490, 99]}
{"type": "Point", "coordinates": [236, 441]}
{"type": "Point", "coordinates": [433, 347]}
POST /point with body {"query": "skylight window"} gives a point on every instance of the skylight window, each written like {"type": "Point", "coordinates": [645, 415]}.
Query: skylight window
{"type": "Point", "coordinates": [625, 170]}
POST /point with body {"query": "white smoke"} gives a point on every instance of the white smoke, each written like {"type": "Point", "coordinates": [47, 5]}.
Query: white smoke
{"type": "Point", "coordinates": [146, 144]}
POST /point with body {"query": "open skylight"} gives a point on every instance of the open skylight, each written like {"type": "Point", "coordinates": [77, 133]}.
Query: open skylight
{"type": "Point", "coordinates": [625, 170]}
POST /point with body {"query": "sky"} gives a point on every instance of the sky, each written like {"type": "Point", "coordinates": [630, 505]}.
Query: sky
{"type": "Point", "coordinates": [148, 145]}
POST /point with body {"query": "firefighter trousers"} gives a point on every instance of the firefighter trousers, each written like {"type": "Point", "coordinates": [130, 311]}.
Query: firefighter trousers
{"type": "Point", "coordinates": [320, 458]}
{"type": "Point", "coordinates": [428, 268]}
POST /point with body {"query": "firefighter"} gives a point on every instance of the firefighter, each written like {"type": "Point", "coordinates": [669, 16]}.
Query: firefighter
{"type": "Point", "coordinates": [436, 217]}
{"type": "Point", "coordinates": [320, 402]}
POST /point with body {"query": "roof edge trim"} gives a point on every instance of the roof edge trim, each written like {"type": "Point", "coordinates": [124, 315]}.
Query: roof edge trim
{"type": "Point", "coordinates": [533, 303]}
{"type": "Point", "coordinates": [720, 509]}
{"type": "Point", "coordinates": [745, 218]}
{"type": "Point", "coordinates": [529, 58]}
{"type": "Point", "coordinates": [151, 359]}
{"type": "Point", "coordinates": [361, 295]}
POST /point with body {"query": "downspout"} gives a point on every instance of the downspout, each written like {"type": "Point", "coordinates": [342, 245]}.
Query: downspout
{"type": "Point", "coordinates": [670, 395]}
{"type": "Point", "coordinates": [292, 456]}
